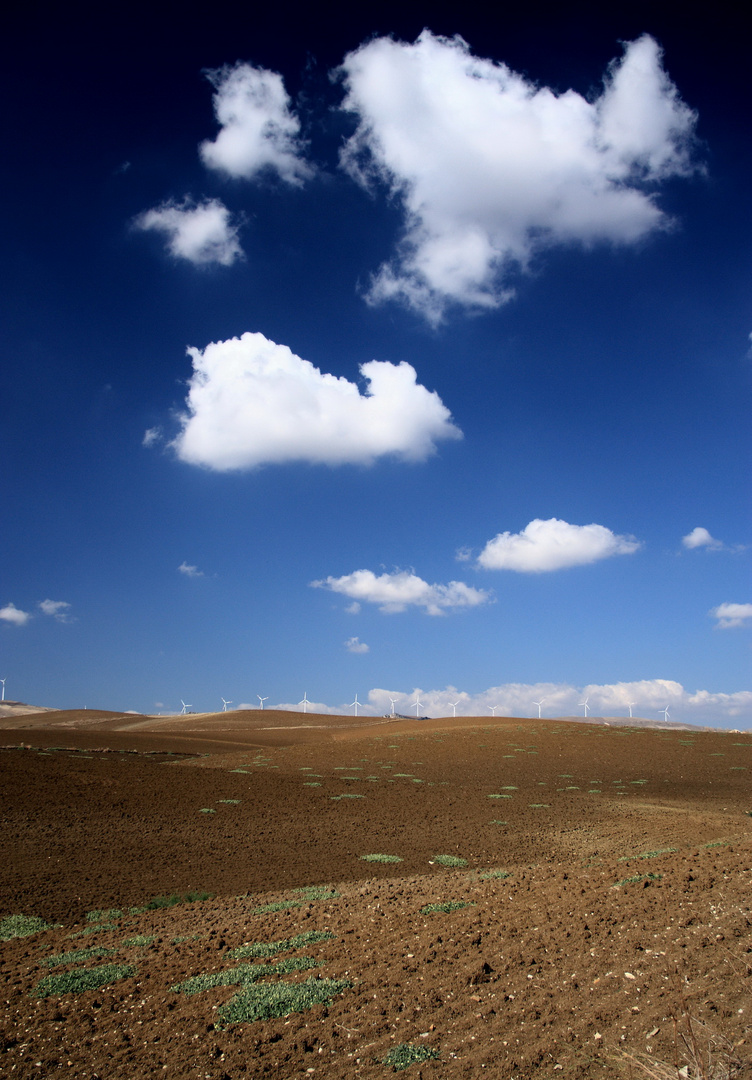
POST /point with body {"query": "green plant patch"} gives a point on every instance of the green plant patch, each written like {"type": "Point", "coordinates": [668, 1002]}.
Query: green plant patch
{"type": "Point", "coordinates": [486, 875]}
{"type": "Point", "coordinates": [279, 999]}
{"type": "Point", "coordinates": [83, 979]}
{"type": "Point", "coordinates": [280, 905]}
{"type": "Point", "coordinates": [446, 907]}
{"type": "Point", "coordinates": [243, 974]}
{"type": "Point", "coordinates": [140, 941]}
{"type": "Point", "coordinates": [539, 805]}
{"type": "Point", "coordinates": [497, 796]}
{"type": "Point", "coordinates": [347, 795]}
{"type": "Point", "coordinates": [77, 956]}
{"type": "Point", "coordinates": [230, 802]}
{"type": "Point", "coordinates": [650, 854]}
{"type": "Point", "coordinates": [381, 858]}
{"type": "Point", "coordinates": [496, 821]}
{"type": "Point", "coordinates": [104, 916]}
{"type": "Point", "coordinates": [406, 775]}
{"type": "Point", "coordinates": [450, 860]}
{"type": "Point", "coordinates": [260, 950]}
{"type": "Point", "coordinates": [406, 1054]}
{"type": "Point", "coordinates": [512, 787]}
{"type": "Point", "coordinates": [243, 771]}
{"type": "Point", "coordinates": [311, 783]}
{"type": "Point", "coordinates": [318, 892]}
{"type": "Point", "coordinates": [207, 810]}
{"type": "Point", "coordinates": [15, 926]}
{"type": "Point", "coordinates": [637, 879]}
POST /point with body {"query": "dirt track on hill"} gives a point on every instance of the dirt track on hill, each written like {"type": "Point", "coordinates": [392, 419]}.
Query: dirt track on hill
{"type": "Point", "coordinates": [529, 977]}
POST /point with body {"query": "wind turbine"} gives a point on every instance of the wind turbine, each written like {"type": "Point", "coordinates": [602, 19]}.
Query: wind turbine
{"type": "Point", "coordinates": [185, 707]}
{"type": "Point", "coordinates": [665, 713]}
{"type": "Point", "coordinates": [454, 705]}
{"type": "Point", "coordinates": [224, 704]}
{"type": "Point", "coordinates": [539, 703]}
{"type": "Point", "coordinates": [355, 703]}
{"type": "Point", "coordinates": [394, 702]}
{"type": "Point", "coordinates": [304, 702]}
{"type": "Point", "coordinates": [2, 698]}
{"type": "Point", "coordinates": [585, 703]}
{"type": "Point", "coordinates": [416, 705]}
{"type": "Point", "coordinates": [493, 709]}
{"type": "Point", "coordinates": [629, 706]}
{"type": "Point", "coordinates": [262, 699]}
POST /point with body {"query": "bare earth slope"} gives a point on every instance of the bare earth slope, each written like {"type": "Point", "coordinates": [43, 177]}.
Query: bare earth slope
{"type": "Point", "coordinates": [606, 884]}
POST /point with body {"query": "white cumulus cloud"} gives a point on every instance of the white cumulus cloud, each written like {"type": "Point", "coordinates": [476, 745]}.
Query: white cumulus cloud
{"type": "Point", "coordinates": [202, 233]}
{"type": "Point", "coordinates": [355, 645]}
{"type": "Point", "coordinates": [731, 615]}
{"type": "Point", "coordinates": [58, 609]}
{"type": "Point", "coordinates": [259, 131]}
{"type": "Point", "coordinates": [252, 402]}
{"type": "Point", "coordinates": [700, 537]}
{"type": "Point", "coordinates": [10, 613]}
{"type": "Point", "coordinates": [402, 589]}
{"type": "Point", "coordinates": [553, 545]}
{"type": "Point", "coordinates": [491, 168]}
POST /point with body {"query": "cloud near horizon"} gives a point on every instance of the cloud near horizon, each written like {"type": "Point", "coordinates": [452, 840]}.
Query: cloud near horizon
{"type": "Point", "coordinates": [11, 614]}
{"type": "Point", "coordinates": [258, 130]}
{"type": "Point", "coordinates": [491, 168]}
{"type": "Point", "coordinates": [543, 546]}
{"type": "Point", "coordinates": [730, 616]}
{"type": "Point", "coordinates": [402, 589]}
{"type": "Point", "coordinates": [253, 402]}
{"type": "Point", "coordinates": [202, 233]}
{"type": "Point", "coordinates": [355, 645]}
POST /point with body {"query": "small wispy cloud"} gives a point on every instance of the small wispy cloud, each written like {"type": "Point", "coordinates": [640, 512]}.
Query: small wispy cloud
{"type": "Point", "coordinates": [401, 589]}
{"type": "Point", "coordinates": [152, 436]}
{"type": "Point", "coordinates": [355, 645]}
{"type": "Point", "coordinates": [731, 615]}
{"type": "Point", "coordinates": [543, 546]}
{"type": "Point", "coordinates": [190, 571]}
{"type": "Point", "coordinates": [202, 233]}
{"type": "Point", "coordinates": [11, 614]}
{"type": "Point", "coordinates": [57, 609]}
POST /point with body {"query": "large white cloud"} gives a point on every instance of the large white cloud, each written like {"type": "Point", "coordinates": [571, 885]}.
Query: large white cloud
{"type": "Point", "coordinates": [258, 129]}
{"type": "Point", "coordinates": [402, 589]}
{"type": "Point", "coordinates": [553, 545]}
{"type": "Point", "coordinates": [731, 615]}
{"type": "Point", "coordinates": [252, 402]}
{"type": "Point", "coordinates": [491, 168]}
{"type": "Point", "coordinates": [10, 613]}
{"type": "Point", "coordinates": [202, 233]}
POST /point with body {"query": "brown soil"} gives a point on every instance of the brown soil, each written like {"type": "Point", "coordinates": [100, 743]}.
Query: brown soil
{"type": "Point", "coordinates": [553, 970]}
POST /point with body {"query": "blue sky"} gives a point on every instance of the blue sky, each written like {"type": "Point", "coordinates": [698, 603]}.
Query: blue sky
{"type": "Point", "coordinates": [402, 353]}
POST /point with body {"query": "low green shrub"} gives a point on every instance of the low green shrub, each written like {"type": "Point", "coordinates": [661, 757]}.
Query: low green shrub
{"type": "Point", "coordinates": [317, 892]}
{"type": "Point", "coordinates": [450, 860]}
{"type": "Point", "coordinates": [243, 974]}
{"type": "Point", "coordinates": [140, 941]}
{"type": "Point", "coordinates": [279, 999]}
{"type": "Point", "coordinates": [76, 956]}
{"type": "Point", "coordinates": [82, 979]}
{"type": "Point", "coordinates": [381, 858]}
{"type": "Point", "coordinates": [15, 926]}
{"type": "Point", "coordinates": [445, 908]}
{"type": "Point", "coordinates": [263, 949]}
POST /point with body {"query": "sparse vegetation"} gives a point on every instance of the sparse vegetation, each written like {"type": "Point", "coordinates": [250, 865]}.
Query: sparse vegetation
{"type": "Point", "coordinates": [140, 941]}
{"type": "Point", "coordinates": [263, 949]}
{"type": "Point", "coordinates": [279, 999]}
{"type": "Point", "coordinates": [406, 1054]}
{"type": "Point", "coordinates": [381, 858]}
{"type": "Point", "coordinates": [450, 860]}
{"type": "Point", "coordinates": [636, 879]}
{"type": "Point", "coordinates": [446, 907]}
{"type": "Point", "coordinates": [77, 956]}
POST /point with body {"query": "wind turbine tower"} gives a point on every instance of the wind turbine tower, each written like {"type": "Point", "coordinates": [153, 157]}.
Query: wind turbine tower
{"type": "Point", "coordinates": [416, 705]}
{"type": "Point", "coordinates": [2, 698]}
{"type": "Point", "coordinates": [493, 709]}
{"type": "Point", "coordinates": [394, 702]}
{"type": "Point", "coordinates": [454, 705]}
{"type": "Point", "coordinates": [225, 704]}
{"type": "Point", "coordinates": [356, 703]}
{"type": "Point", "coordinates": [585, 703]}
{"type": "Point", "coordinates": [665, 713]}
{"type": "Point", "coordinates": [629, 706]}
{"type": "Point", "coordinates": [185, 707]}
{"type": "Point", "coordinates": [539, 703]}
{"type": "Point", "coordinates": [262, 699]}
{"type": "Point", "coordinates": [304, 702]}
